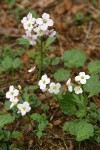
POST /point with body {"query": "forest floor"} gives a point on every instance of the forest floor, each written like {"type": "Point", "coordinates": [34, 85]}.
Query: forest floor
{"type": "Point", "coordinates": [74, 31]}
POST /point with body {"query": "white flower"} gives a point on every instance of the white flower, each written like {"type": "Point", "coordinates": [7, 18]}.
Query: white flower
{"type": "Point", "coordinates": [28, 22]}
{"type": "Point", "coordinates": [14, 102]}
{"type": "Point", "coordinates": [32, 69]}
{"type": "Point", "coordinates": [42, 83]}
{"type": "Point", "coordinates": [23, 108]}
{"type": "Point", "coordinates": [82, 77]}
{"type": "Point", "coordinates": [28, 18]}
{"type": "Point", "coordinates": [31, 38]}
{"type": "Point", "coordinates": [45, 21]}
{"type": "Point", "coordinates": [69, 84]}
{"type": "Point", "coordinates": [39, 31]}
{"type": "Point", "coordinates": [12, 93]}
{"type": "Point", "coordinates": [51, 33]}
{"type": "Point", "coordinates": [28, 26]}
{"type": "Point", "coordinates": [78, 90]}
{"type": "Point", "coordinates": [44, 90]}
{"type": "Point", "coordinates": [54, 88]}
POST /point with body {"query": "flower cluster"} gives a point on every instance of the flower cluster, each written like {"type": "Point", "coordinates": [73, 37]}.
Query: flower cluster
{"type": "Point", "coordinates": [80, 79]}
{"type": "Point", "coordinates": [12, 95]}
{"type": "Point", "coordinates": [37, 27]}
{"type": "Point", "coordinates": [52, 87]}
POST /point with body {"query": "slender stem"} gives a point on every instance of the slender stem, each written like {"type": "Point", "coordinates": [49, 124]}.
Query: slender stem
{"type": "Point", "coordinates": [12, 73]}
{"type": "Point", "coordinates": [57, 97]}
{"type": "Point", "coordinates": [41, 61]}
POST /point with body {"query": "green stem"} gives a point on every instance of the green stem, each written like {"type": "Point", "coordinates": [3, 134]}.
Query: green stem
{"type": "Point", "coordinates": [41, 61]}
{"type": "Point", "coordinates": [12, 73]}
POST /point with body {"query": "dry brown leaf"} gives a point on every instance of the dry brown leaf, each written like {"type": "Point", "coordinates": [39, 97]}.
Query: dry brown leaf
{"type": "Point", "coordinates": [64, 6]}
{"type": "Point", "coordinates": [57, 122]}
{"type": "Point", "coordinates": [77, 8]}
{"type": "Point", "coordinates": [61, 148]}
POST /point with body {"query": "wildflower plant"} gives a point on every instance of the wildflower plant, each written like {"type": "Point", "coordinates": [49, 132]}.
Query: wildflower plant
{"type": "Point", "coordinates": [74, 95]}
{"type": "Point", "coordinates": [36, 29]}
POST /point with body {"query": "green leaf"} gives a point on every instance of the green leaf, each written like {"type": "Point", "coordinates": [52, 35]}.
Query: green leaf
{"type": "Point", "coordinates": [67, 104]}
{"type": "Point", "coordinates": [46, 62]}
{"type": "Point", "coordinates": [44, 107]}
{"type": "Point", "coordinates": [79, 16]}
{"type": "Point", "coordinates": [17, 63]}
{"type": "Point", "coordinates": [36, 116]}
{"type": "Point", "coordinates": [7, 105]}
{"type": "Point", "coordinates": [33, 88]}
{"type": "Point", "coordinates": [49, 41]}
{"type": "Point", "coordinates": [34, 100]}
{"type": "Point", "coordinates": [92, 86]}
{"type": "Point", "coordinates": [80, 128]}
{"type": "Point", "coordinates": [4, 135]}
{"type": "Point", "coordinates": [3, 146]}
{"type": "Point", "coordinates": [23, 41]}
{"type": "Point", "coordinates": [94, 67]}
{"type": "Point", "coordinates": [56, 61]}
{"type": "Point", "coordinates": [74, 58]}
{"type": "Point", "coordinates": [39, 134]}
{"type": "Point", "coordinates": [7, 63]}
{"type": "Point", "coordinates": [81, 112]}
{"type": "Point", "coordinates": [6, 119]}
{"type": "Point", "coordinates": [41, 126]}
{"type": "Point", "coordinates": [16, 134]}
{"type": "Point", "coordinates": [62, 75]}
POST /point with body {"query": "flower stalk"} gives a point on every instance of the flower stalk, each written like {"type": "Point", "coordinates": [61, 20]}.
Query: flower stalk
{"type": "Point", "coordinates": [41, 60]}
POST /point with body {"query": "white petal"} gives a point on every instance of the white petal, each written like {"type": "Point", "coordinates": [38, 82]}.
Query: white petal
{"type": "Point", "coordinates": [40, 83]}
{"type": "Point", "coordinates": [52, 84]}
{"type": "Point", "coordinates": [11, 98]}
{"type": "Point", "coordinates": [32, 42]}
{"type": "Point", "coordinates": [8, 95]}
{"type": "Point", "coordinates": [24, 20]}
{"type": "Point", "coordinates": [44, 90]}
{"type": "Point", "coordinates": [87, 77]}
{"type": "Point", "coordinates": [50, 22]}
{"type": "Point", "coordinates": [29, 108]}
{"type": "Point", "coordinates": [53, 33]}
{"type": "Point", "coordinates": [58, 85]}
{"type": "Point", "coordinates": [23, 113]}
{"type": "Point", "coordinates": [44, 77]}
{"type": "Point", "coordinates": [28, 33]}
{"type": "Point", "coordinates": [83, 81]}
{"type": "Point", "coordinates": [16, 92]}
{"type": "Point", "coordinates": [34, 37]}
{"type": "Point", "coordinates": [32, 69]}
{"type": "Point", "coordinates": [19, 106]}
{"type": "Point", "coordinates": [39, 21]}
{"type": "Point", "coordinates": [42, 86]}
{"type": "Point", "coordinates": [29, 15]}
{"type": "Point", "coordinates": [57, 91]}
{"type": "Point", "coordinates": [68, 82]}
{"type": "Point", "coordinates": [82, 73]}
{"type": "Point", "coordinates": [45, 16]}
{"type": "Point", "coordinates": [44, 27]}
{"type": "Point", "coordinates": [77, 78]}
{"type": "Point", "coordinates": [26, 104]}
{"type": "Point", "coordinates": [11, 88]}
{"type": "Point", "coordinates": [47, 81]}
{"type": "Point", "coordinates": [70, 89]}
{"type": "Point", "coordinates": [50, 90]}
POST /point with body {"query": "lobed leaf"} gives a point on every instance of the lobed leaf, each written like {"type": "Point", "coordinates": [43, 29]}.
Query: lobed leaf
{"type": "Point", "coordinates": [74, 58]}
